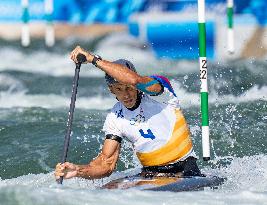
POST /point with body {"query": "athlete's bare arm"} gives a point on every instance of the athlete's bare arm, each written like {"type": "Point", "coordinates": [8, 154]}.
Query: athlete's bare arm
{"type": "Point", "coordinates": [117, 71]}
{"type": "Point", "coordinates": [100, 167]}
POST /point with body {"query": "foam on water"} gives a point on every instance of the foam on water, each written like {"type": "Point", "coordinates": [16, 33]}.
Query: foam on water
{"type": "Point", "coordinates": [188, 99]}
{"type": "Point", "coordinates": [247, 176]}
{"type": "Point", "coordinates": [43, 62]}
{"type": "Point", "coordinates": [59, 64]}
{"type": "Point", "coordinates": [16, 96]}
{"type": "Point", "coordinates": [21, 99]}
{"type": "Point", "coordinates": [246, 184]}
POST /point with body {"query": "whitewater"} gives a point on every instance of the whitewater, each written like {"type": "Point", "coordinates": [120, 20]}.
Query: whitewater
{"type": "Point", "coordinates": [35, 90]}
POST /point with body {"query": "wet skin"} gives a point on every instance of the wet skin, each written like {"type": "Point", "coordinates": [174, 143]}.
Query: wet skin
{"type": "Point", "coordinates": [126, 94]}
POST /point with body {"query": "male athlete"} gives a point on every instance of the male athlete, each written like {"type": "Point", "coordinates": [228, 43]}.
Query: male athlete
{"type": "Point", "coordinates": [158, 131]}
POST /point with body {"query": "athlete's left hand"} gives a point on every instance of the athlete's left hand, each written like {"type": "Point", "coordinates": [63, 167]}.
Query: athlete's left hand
{"type": "Point", "coordinates": [66, 170]}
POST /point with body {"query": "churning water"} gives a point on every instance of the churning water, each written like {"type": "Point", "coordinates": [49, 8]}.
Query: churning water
{"type": "Point", "coordinates": [35, 90]}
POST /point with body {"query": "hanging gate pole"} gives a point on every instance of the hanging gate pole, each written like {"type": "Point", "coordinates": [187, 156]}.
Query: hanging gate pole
{"type": "Point", "coordinates": [230, 32]}
{"type": "Point", "coordinates": [49, 30]}
{"type": "Point", "coordinates": [203, 79]}
{"type": "Point", "coordinates": [25, 29]}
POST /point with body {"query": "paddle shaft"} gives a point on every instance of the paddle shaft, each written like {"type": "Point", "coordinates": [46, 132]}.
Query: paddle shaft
{"type": "Point", "coordinates": [81, 58]}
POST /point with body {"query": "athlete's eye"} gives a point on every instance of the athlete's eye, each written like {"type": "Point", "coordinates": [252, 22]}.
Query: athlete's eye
{"type": "Point", "coordinates": [129, 88]}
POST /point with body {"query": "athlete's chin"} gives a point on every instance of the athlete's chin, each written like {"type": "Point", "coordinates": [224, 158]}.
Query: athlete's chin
{"type": "Point", "coordinates": [129, 103]}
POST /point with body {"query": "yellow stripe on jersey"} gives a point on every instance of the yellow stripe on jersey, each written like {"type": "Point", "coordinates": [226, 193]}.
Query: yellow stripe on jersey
{"type": "Point", "coordinates": [179, 145]}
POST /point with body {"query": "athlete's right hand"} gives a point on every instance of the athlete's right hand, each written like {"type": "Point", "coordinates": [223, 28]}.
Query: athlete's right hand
{"type": "Point", "coordinates": [78, 50]}
{"type": "Point", "coordinates": [66, 170]}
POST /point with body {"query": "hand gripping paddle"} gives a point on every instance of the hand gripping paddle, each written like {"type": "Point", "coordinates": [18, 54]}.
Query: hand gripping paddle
{"type": "Point", "coordinates": [81, 59]}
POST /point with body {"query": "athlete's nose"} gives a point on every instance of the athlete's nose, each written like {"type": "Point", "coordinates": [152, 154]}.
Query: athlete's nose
{"type": "Point", "coordinates": [126, 94]}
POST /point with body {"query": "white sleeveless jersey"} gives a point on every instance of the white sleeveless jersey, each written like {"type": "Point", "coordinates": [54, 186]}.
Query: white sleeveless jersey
{"type": "Point", "coordinates": [152, 128]}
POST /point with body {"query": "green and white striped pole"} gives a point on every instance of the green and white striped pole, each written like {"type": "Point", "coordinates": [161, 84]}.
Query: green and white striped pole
{"type": "Point", "coordinates": [230, 32]}
{"type": "Point", "coordinates": [49, 31]}
{"type": "Point", "coordinates": [203, 79]}
{"type": "Point", "coordinates": [25, 30]}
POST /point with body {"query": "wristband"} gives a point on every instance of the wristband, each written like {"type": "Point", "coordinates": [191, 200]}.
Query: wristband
{"type": "Point", "coordinates": [95, 59]}
{"type": "Point", "coordinates": [114, 137]}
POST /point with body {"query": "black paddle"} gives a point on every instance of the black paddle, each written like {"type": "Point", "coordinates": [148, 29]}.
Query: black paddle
{"type": "Point", "coordinates": [81, 59]}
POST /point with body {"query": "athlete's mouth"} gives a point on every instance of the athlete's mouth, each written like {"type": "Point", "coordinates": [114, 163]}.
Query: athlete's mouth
{"type": "Point", "coordinates": [128, 101]}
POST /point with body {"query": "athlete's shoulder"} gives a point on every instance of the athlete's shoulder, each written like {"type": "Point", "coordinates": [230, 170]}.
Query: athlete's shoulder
{"type": "Point", "coordinates": [153, 103]}
{"type": "Point", "coordinates": [114, 115]}
{"type": "Point", "coordinates": [165, 83]}
{"type": "Point", "coordinates": [168, 96]}
{"type": "Point", "coordinates": [116, 107]}
{"type": "Point", "coordinates": [116, 112]}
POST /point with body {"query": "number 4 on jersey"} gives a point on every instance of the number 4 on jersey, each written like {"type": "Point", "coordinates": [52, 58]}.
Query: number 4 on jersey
{"type": "Point", "coordinates": [149, 134]}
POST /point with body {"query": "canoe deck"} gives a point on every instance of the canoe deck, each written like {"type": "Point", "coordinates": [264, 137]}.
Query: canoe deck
{"type": "Point", "coordinates": [174, 184]}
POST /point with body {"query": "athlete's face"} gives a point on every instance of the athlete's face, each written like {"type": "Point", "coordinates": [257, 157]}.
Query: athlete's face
{"type": "Point", "coordinates": [126, 94]}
